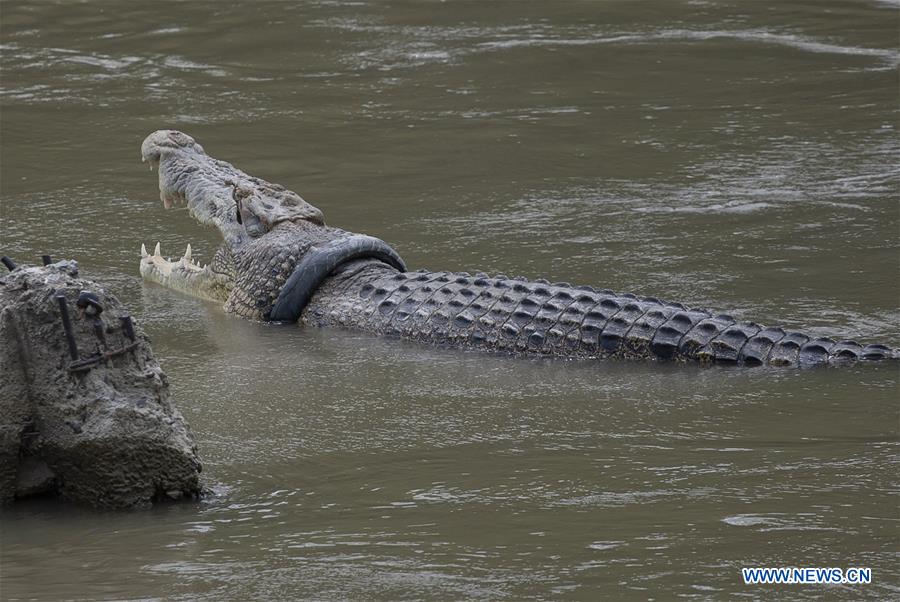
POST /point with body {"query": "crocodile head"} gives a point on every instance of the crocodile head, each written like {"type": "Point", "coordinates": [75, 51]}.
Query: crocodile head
{"type": "Point", "coordinates": [264, 226]}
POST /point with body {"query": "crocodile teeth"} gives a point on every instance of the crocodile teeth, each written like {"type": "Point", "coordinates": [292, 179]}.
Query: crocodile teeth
{"type": "Point", "coordinates": [156, 252]}
{"type": "Point", "coordinates": [143, 250]}
{"type": "Point", "coordinates": [187, 253]}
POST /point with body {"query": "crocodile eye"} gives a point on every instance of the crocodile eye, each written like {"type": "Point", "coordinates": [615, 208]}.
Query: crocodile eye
{"type": "Point", "coordinates": [236, 196]}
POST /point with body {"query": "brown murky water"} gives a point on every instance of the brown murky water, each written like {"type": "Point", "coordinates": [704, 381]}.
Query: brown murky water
{"type": "Point", "coordinates": [738, 155]}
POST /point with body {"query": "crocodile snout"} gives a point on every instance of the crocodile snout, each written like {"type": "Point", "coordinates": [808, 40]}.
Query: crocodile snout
{"type": "Point", "coordinates": [165, 141]}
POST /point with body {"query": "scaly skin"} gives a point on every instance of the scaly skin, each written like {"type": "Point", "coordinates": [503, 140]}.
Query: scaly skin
{"type": "Point", "coordinates": [268, 229]}
{"type": "Point", "coordinates": [515, 315]}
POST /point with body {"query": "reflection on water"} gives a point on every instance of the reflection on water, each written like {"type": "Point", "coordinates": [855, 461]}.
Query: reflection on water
{"type": "Point", "coordinates": [737, 157]}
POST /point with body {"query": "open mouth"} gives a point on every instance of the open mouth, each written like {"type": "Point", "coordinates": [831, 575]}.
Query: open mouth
{"type": "Point", "coordinates": [165, 266]}
{"type": "Point", "coordinates": [157, 268]}
{"type": "Point", "coordinates": [184, 273]}
{"type": "Point", "coordinates": [214, 193]}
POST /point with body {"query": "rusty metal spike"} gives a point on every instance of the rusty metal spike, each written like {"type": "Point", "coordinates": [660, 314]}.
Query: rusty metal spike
{"type": "Point", "coordinates": [67, 326]}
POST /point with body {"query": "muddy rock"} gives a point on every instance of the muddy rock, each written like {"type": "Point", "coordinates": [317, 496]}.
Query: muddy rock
{"type": "Point", "coordinates": [92, 422]}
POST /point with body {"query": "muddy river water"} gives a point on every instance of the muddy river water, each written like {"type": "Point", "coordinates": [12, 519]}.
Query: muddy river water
{"type": "Point", "coordinates": [735, 155]}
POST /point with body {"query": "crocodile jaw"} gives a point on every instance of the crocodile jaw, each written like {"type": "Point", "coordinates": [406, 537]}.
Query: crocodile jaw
{"type": "Point", "coordinates": [184, 275]}
{"type": "Point", "coordinates": [244, 209]}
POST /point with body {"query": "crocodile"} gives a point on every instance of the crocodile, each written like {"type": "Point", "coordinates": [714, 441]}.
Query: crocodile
{"type": "Point", "coordinates": [280, 262]}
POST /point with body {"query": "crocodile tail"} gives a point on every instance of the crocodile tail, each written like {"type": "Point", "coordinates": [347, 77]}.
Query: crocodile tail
{"type": "Point", "coordinates": [537, 317]}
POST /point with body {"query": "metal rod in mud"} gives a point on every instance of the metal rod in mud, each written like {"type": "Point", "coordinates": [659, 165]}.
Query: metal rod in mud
{"type": "Point", "coordinates": [67, 326]}
{"type": "Point", "coordinates": [127, 326]}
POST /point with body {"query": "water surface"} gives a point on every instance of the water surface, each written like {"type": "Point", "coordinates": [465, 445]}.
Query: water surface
{"type": "Point", "coordinates": [736, 155]}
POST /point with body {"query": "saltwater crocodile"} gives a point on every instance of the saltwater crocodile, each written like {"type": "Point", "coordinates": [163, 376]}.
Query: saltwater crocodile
{"type": "Point", "coordinates": [280, 262]}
